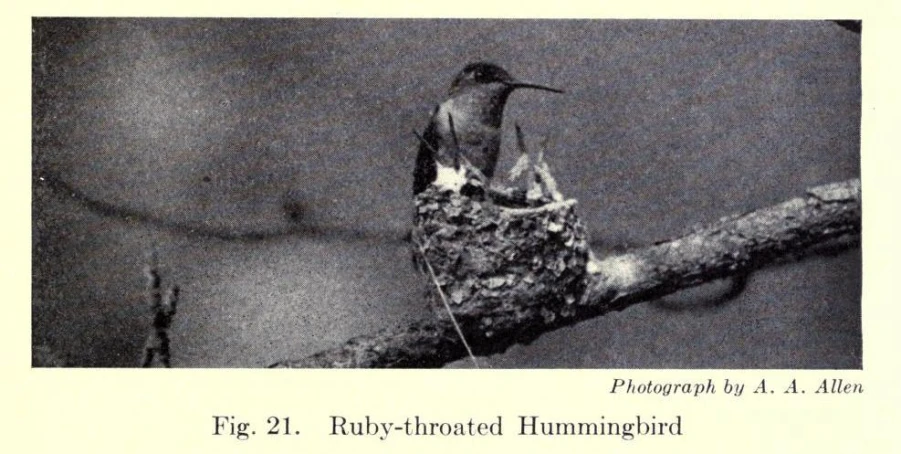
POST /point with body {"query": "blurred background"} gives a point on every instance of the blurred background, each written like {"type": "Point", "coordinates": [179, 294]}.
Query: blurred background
{"type": "Point", "coordinates": [269, 165]}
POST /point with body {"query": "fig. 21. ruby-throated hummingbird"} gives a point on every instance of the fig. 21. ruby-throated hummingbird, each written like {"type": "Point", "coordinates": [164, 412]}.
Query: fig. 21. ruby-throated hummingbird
{"type": "Point", "coordinates": [468, 122]}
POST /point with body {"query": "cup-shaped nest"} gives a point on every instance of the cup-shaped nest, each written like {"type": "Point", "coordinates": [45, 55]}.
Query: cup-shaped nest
{"type": "Point", "coordinates": [497, 264]}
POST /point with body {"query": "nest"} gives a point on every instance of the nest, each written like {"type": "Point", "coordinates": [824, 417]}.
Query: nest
{"type": "Point", "coordinates": [499, 257]}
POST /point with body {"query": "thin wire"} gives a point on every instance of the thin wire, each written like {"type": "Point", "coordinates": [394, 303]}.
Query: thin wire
{"type": "Point", "coordinates": [446, 305]}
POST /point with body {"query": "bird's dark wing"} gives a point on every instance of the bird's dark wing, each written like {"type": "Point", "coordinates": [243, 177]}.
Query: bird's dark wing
{"type": "Point", "coordinates": [426, 171]}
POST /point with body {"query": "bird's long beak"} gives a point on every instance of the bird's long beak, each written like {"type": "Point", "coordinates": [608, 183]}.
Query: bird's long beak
{"type": "Point", "coordinates": [518, 84]}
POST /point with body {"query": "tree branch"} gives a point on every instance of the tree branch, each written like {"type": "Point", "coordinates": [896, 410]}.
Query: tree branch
{"type": "Point", "coordinates": [732, 246]}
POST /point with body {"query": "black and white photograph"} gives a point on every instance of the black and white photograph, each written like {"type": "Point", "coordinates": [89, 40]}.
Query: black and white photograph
{"type": "Point", "coordinates": [446, 193]}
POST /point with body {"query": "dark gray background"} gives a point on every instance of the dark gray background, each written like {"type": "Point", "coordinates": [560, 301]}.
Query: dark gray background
{"type": "Point", "coordinates": [270, 163]}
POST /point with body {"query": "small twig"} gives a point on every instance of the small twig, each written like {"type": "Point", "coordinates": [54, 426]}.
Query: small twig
{"type": "Point", "coordinates": [456, 152]}
{"type": "Point", "coordinates": [163, 310]}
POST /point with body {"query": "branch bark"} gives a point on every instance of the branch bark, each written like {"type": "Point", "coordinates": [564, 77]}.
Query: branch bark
{"type": "Point", "coordinates": [731, 246]}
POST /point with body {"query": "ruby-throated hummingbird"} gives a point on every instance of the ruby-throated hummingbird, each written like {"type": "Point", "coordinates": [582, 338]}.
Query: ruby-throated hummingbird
{"type": "Point", "coordinates": [468, 122]}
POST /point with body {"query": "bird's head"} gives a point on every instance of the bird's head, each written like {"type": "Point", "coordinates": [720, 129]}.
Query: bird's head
{"type": "Point", "coordinates": [492, 77]}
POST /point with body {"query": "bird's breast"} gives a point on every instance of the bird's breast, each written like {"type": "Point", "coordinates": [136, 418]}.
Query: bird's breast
{"type": "Point", "coordinates": [468, 125]}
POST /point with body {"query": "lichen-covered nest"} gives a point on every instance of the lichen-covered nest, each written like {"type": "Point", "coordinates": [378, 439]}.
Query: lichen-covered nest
{"type": "Point", "coordinates": [497, 264]}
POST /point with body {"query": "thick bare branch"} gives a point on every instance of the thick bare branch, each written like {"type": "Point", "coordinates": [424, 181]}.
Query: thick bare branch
{"type": "Point", "coordinates": [731, 246]}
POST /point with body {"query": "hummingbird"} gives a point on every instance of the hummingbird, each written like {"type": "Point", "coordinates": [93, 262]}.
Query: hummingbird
{"type": "Point", "coordinates": [468, 122]}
